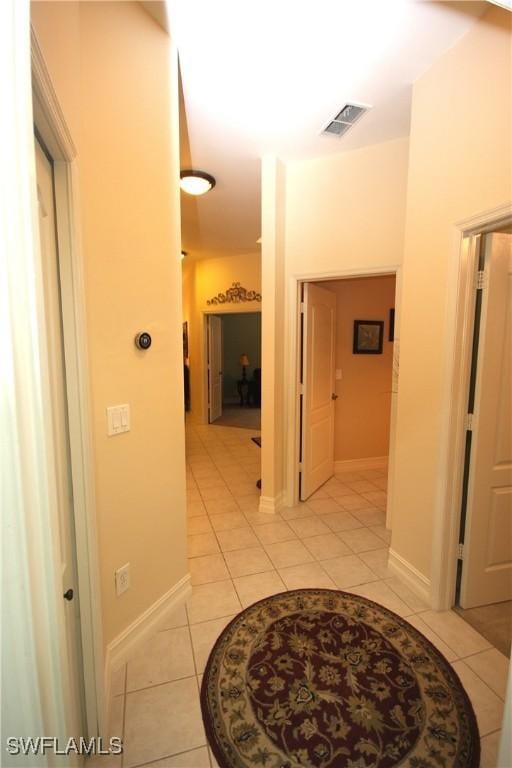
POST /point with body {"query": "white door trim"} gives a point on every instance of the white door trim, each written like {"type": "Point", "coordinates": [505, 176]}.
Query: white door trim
{"type": "Point", "coordinates": [292, 356]}
{"type": "Point", "coordinates": [214, 342]}
{"type": "Point", "coordinates": [51, 126]}
{"type": "Point", "coordinates": [461, 299]}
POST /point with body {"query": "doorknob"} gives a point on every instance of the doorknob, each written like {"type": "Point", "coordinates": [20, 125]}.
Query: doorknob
{"type": "Point", "coordinates": [68, 595]}
{"type": "Point", "coordinates": [334, 396]}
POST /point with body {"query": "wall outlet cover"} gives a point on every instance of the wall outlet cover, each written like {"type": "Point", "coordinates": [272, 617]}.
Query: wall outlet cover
{"type": "Point", "coordinates": [122, 578]}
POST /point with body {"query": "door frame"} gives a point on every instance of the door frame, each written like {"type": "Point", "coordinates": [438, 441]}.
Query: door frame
{"type": "Point", "coordinates": [51, 127]}
{"type": "Point", "coordinates": [207, 361]}
{"type": "Point", "coordinates": [203, 342]}
{"type": "Point", "coordinates": [461, 306]}
{"type": "Point", "coordinates": [293, 356]}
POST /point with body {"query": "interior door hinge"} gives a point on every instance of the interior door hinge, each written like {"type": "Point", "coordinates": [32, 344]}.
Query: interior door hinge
{"type": "Point", "coordinates": [469, 422]}
{"type": "Point", "coordinates": [301, 466]}
{"type": "Point", "coordinates": [480, 280]}
{"type": "Point", "coordinates": [460, 552]}
{"type": "Point", "coordinates": [301, 388]}
{"type": "Point", "coordinates": [302, 307]}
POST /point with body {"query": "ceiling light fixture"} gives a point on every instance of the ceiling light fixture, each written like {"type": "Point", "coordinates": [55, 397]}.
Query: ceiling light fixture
{"type": "Point", "coordinates": [196, 182]}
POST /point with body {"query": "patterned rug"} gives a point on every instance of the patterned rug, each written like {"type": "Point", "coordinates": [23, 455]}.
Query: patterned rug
{"type": "Point", "coordinates": [315, 677]}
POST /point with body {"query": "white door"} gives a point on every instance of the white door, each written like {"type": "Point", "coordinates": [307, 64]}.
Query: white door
{"type": "Point", "coordinates": [60, 433]}
{"type": "Point", "coordinates": [487, 565]}
{"type": "Point", "coordinates": [214, 367]}
{"type": "Point", "coordinates": [318, 361]}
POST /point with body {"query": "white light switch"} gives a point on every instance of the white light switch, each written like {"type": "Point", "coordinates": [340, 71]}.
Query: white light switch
{"type": "Point", "coordinates": [118, 419]}
{"type": "Point", "coordinates": [338, 374]}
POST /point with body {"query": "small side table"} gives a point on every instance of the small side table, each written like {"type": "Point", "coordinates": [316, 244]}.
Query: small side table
{"type": "Point", "coordinates": [242, 386]}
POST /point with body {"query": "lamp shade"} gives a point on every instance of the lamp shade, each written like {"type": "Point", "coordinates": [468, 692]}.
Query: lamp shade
{"type": "Point", "coordinates": [244, 360]}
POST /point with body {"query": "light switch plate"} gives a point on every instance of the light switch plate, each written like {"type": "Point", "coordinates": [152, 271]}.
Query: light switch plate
{"type": "Point", "coordinates": [338, 374]}
{"type": "Point", "coordinates": [118, 419]}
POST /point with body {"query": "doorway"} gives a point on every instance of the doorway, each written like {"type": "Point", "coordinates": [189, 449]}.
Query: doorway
{"type": "Point", "coordinates": [234, 369]}
{"type": "Point", "coordinates": [345, 382]}
{"type": "Point", "coordinates": [483, 592]}
{"type": "Point", "coordinates": [52, 300]}
{"type": "Point", "coordinates": [76, 623]}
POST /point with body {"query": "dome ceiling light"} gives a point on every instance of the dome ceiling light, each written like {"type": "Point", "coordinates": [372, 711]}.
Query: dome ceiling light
{"type": "Point", "coordinates": [196, 182]}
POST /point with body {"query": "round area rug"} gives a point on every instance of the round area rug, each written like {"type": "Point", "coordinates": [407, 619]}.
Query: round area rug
{"type": "Point", "coordinates": [315, 677]}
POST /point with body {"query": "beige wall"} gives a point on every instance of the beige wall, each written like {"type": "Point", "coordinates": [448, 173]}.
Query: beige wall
{"type": "Point", "coordinates": [362, 410]}
{"type": "Point", "coordinates": [346, 211]}
{"type": "Point", "coordinates": [214, 276]}
{"type": "Point", "coordinates": [460, 165]}
{"type": "Point", "coordinates": [203, 280]}
{"type": "Point", "coordinates": [337, 215]}
{"type": "Point", "coordinates": [273, 333]}
{"type": "Point", "coordinates": [116, 79]}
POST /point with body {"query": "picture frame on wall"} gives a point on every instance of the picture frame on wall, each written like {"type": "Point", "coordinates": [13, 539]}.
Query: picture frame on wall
{"type": "Point", "coordinates": [391, 335]}
{"type": "Point", "coordinates": [368, 337]}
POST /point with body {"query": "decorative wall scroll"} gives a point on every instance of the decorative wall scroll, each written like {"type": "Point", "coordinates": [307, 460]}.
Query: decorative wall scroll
{"type": "Point", "coordinates": [235, 295]}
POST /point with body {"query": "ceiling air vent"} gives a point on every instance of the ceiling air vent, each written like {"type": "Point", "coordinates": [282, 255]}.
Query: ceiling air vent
{"type": "Point", "coordinates": [337, 128]}
{"type": "Point", "coordinates": [345, 119]}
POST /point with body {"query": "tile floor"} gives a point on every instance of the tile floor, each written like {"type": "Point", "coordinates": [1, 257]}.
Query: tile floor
{"type": "Point", "coordinates": [492, 621]}
{"type": "Point", "coordinates": [239, 416]}
{"type": "Point", "coordinates": [239, 555]}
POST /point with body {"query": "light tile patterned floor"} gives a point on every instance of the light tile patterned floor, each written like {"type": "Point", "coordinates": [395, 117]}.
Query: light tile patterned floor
{"type": "Point", "coordinates": [239, 555]}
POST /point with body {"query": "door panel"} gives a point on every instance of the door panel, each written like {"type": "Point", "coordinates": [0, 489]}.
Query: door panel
{"type": "Point", "coordinates": [60, 427]}
{"type": "Point", "coordinates": [214, 367]}
{"type": "Point", "coordinates": [487, 569]}
{"type": "Point", "coordinates": [318, 387]}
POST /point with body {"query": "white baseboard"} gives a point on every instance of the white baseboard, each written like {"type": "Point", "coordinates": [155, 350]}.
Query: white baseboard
{"type": "Point", "coordinates": [354, 465]}
{"type": "Point", "coordinates": [416, 581]}
{"type": "Point", "coordinates": [271, 504]}
{"type": "Point", "coordinates": [129, 641]}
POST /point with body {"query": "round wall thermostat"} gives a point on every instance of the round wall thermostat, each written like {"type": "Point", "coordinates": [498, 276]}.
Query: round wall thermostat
{"type": "Point", "coordinates": [143, 340]}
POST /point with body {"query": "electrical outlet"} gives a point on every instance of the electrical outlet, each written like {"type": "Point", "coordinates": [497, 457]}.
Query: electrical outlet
{"type": "Point", "coordinates": [122, 579]}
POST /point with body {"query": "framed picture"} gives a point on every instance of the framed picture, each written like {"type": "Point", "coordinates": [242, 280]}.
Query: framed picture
{"type": "Point", "coordinates": [391, 336]}
{"type": "Point", "coordinates": [368, 337]}
{"type": "Point", "coordinates": [185, 340]}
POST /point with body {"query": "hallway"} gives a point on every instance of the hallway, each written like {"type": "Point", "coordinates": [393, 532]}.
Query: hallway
{"type": "Point", "coordinates": [239, 416]}
{"type": "Point", "coordinates": [237, 556]}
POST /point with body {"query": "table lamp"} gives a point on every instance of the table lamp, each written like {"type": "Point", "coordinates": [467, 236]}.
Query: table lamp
{"type": "Point", "coordinates": [244, 362]}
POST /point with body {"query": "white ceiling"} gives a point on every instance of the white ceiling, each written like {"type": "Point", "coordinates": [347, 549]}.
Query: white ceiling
{"type": "Point", "coordinates": [265, 76]}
